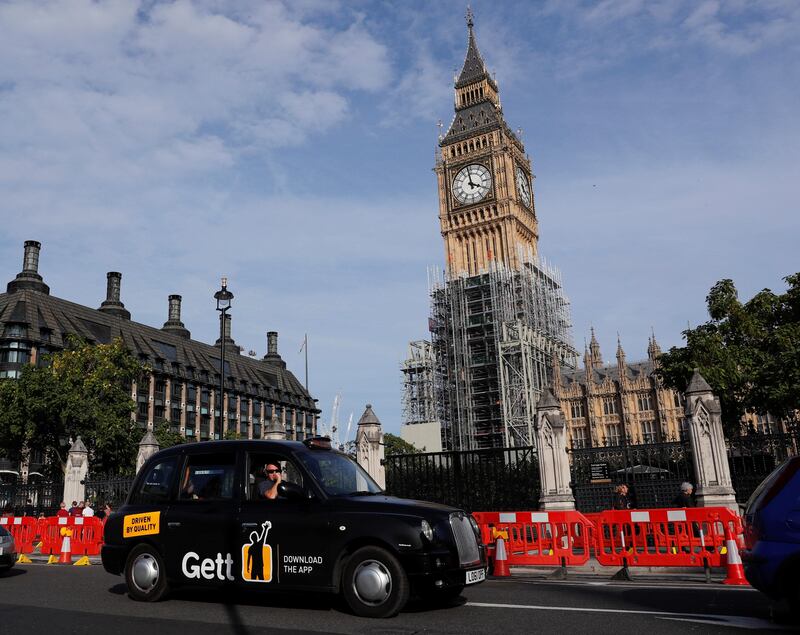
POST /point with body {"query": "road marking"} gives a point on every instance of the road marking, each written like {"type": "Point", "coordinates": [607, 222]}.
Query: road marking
{"type": "Point", "coordinates": [667, 584]}
{"type": "Point", "coordinates": [723, 620]}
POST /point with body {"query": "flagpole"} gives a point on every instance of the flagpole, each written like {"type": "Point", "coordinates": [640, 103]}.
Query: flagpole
{"type": "Point", "coordinates": [305, 345]}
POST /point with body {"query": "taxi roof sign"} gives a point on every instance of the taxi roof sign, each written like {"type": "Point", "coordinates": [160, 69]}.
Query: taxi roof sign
{"type": "Point", "coordinates": [318, 443]}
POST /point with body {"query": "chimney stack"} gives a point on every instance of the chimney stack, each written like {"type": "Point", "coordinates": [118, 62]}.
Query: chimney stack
{"type": "Point", "coordinates": [272, 356]}
{"type": "Point", "coordinates": [29, 277]}
{"type": "Point", "coordinates": [173, 323]}
{"type": "Point", "coordinates": [226, 330]}
{"type": "Point", "coordinates": [112, 304]}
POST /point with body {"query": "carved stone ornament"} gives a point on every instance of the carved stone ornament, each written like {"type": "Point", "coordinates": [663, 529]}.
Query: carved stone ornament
{"type": "Point", "coordinates": [703, 419]}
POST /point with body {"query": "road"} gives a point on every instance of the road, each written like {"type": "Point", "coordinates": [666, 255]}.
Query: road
{"type": "Point", "coordinates": [57, 599]}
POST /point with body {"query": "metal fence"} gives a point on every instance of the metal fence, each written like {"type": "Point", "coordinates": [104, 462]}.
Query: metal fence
{"type": "Point", "coordinates": [493, 479]}
{"type": "Point", "coordinates": [652, 471]}
{"type": "Point", "coordinates": [753, 456]}
{"type": "Point", "coordinates": [111, 490]}
{"type": "Point", "coordinates": [31, 499]}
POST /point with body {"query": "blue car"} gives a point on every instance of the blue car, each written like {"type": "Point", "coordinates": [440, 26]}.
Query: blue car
{"type": "Point", "coordinates": [772, 535]}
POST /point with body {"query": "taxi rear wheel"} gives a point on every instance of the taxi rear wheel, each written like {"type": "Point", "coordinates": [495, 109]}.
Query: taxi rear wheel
{"type": "Point", "coordinates": [374, 583]}
{"type": "Point", "coordinates": [145, 574]}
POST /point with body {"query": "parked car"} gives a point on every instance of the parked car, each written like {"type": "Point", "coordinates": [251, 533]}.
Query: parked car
{"type": "Point", "coordinates": [197, 515]}
{"type": "Point", "coordinates": [8, 551]}
{"type": "Point", "coordinates": [772, 535]}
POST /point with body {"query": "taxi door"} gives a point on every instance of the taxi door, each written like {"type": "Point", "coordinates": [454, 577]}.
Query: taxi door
{"type": "Point", "coordinates": [283, 543]}
{"type": "Point", "coordinates": [200, 530]}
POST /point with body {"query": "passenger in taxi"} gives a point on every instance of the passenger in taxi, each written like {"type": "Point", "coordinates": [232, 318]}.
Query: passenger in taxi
{"type": "Point", "coordinates": [268, 485]}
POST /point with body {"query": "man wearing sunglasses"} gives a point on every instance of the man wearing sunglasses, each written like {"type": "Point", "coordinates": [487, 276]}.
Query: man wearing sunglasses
{"type": "Point", "coordinates": [268, 486]}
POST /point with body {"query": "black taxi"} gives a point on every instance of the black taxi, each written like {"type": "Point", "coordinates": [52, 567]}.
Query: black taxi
{"type": "Point", "coordinates": [199, 514]}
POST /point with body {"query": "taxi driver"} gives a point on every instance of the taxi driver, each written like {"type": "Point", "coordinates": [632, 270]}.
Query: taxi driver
{"type": "Point", "coordinates": [268, 487]}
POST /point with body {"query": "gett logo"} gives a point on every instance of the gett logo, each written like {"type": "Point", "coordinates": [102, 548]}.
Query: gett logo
{"type": "Point", "coordinates": [209, 568]}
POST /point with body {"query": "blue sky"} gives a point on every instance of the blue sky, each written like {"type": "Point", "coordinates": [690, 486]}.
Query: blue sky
{"type": "Point", "coordinates": [289, 146]}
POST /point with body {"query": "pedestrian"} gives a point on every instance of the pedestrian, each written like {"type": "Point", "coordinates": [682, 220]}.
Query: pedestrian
{"type": "Point", "coordinates": [62, 510]}
{"type": "Point", "coordinates": [72, 508]}
{"type": "Point", "coordinates": [87, 511]}
{"type": "Point", "coordinates": [78, 509]}
{"type": "Point", "coordinates": [104, 513]}
{"type": "Point", "coordinates": [684, 497]}
{"type": "Point", "coordinates": [621, 500]}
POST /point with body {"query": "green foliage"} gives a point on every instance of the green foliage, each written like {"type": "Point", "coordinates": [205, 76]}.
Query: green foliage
{"type": "Point", "coordinates": [83, 391]}
{"type": "Point", "coordinates": [748, 352]}
{"type": "Point", "coordinates": [166, 437]}
{"type": "Point", "coordinates": [232, 435]}
{"type": "Point", "coordinates": [395, 445]}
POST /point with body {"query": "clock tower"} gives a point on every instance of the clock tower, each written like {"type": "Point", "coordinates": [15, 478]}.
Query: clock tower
{"type": "Point", "coordinates": [486, 208]}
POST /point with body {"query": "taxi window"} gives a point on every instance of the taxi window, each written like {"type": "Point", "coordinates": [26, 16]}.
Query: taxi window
{"type": "Point", "coordinates": [338, 474]}
{"type": "Point", "coordinates": [290, 475]}
{"type": "Point", "coordinates": [155, 486]}
{"type": "Point", "coordinates": [208, 476]}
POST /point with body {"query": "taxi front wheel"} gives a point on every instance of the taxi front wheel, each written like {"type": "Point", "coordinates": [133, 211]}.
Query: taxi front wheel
{"type": "Point", "coordinates": [145, 574]}
{"type": "Point", "coordinates": [374, 583]}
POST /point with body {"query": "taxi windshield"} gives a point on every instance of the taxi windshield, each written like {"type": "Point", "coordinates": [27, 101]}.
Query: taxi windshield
{"type": "Point", "coordinates": [339, 475]}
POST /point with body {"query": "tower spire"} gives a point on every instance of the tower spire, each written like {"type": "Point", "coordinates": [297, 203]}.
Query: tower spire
{"type": "Point", "coordinates": [594, 350]}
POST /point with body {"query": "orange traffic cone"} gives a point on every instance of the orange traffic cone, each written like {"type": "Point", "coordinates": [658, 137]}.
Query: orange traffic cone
{"type": "Point", "coordinates": [500, 559]}
{"type": "Point", "coordinates": [735, 568]}
{"type": "Point", "coordinates": [66, 555]}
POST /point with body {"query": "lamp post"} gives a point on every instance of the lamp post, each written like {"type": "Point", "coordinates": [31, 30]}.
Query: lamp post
{"type": "Point", "coordinates": [223, 298]}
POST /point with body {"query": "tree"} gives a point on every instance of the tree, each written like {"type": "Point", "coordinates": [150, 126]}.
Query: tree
{"type": "Point", "coordinates": [83, 391]}
{"type": "Point", "coordinates": [166, 437]}
{"type": "Point", "coordinates": [748, 352]}
{"type": "Point", "coordinates": [395, 445]}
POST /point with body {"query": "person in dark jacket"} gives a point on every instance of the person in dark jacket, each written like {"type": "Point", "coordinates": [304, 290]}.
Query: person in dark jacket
{"type": "Point", "coordinates": [684, 497]}
{"type": "Point", "coordinates": [621, 500]}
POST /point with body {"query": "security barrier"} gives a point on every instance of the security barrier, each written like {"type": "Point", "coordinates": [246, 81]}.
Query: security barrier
{"type": "Point", "coordinates": [86, 539]}
{"type": "Point", "coordinates": [23, 529]}
{"type": "Point", "coordinates": [692, 537]}
{"type": "Point", "coordinates": [538, 538]}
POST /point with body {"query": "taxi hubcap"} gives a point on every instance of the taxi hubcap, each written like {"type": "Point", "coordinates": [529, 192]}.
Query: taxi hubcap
{"type": "Point", "coordinates": [145, 572]}
{"type": "Point", "coordinates": [372, 582]}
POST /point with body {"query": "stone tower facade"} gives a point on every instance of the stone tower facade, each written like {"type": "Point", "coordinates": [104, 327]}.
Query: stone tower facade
{"type": "Point", "coordinates": [486, 207]}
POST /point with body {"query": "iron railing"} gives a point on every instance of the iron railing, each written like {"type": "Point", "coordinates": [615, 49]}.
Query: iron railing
{"type": "Point", "coordinates": [753, 456]}
{"type": "Point", "coordinates": [44, 497]}
{"type": "Point", "coordinates": [491, 479]}
{"type": "Point", "coordinates": [111, 490]}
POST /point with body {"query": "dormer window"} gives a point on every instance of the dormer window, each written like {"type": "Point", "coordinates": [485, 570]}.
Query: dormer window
{"type": "Point", "coordinates": [16, 330]}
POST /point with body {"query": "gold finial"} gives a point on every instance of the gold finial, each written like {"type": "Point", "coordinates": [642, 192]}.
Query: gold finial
{"type": "Point", "coordinates": [469, 16]}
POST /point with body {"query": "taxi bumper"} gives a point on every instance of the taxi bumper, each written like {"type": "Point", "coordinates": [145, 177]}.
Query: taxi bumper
{"type": "Point", "coordinates": [440, 569]}
{"type": "Point", "coordinates": [113, 558]}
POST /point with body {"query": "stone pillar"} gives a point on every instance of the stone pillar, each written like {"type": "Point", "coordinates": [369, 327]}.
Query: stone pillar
{"type": "Point", "coordinates": [369, 446]}
{"type": "Point", "coordinates": [709, 455]}
{"type": "Point", "coordinates": [274, 430]}
{"type": "Point", "coordinates": [551, 445]}
{"type": "Point", "coordinates": [148, 446]}
{"type": "Point", "coordinates": [75, 475]}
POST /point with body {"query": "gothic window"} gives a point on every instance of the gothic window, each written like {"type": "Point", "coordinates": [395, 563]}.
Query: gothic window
{"type": "Point", "coordinates": [609, 406]}
{"type": "Point", "coordinates": [613, 435]}
{"type": "Point", "coordinates": [576, 409]}
{"type": "Point", "coordinates": [678, 400]}
{"type": "Point", "coordinates": [579, 437]}
{"type": "Point", "coordinates": [763, 424]}
{"type": "Point", "coordinates": [649, 434]}
{"type": "Point", "coordinates": [644, 402]}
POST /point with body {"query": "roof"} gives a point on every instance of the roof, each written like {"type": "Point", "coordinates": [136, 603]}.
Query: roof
{"type": "Point", "coordinates": [49, 320]}
{"type": "Point", "coordinates": [697, 383]}
{"type": "Point", "coordinates": [474, 68]}
{"type": "Point", "coordinates": [632, 371]}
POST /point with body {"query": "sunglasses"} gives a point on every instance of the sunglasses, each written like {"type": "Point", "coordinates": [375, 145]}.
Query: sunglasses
{"type": "Point", "coordinates": [273, 471]}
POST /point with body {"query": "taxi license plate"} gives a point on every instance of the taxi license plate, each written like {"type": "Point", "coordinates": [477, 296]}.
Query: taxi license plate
{"type": "Point", "coordinates": [478, 575]}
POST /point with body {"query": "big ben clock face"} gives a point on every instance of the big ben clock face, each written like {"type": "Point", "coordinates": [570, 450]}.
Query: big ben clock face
{"type": "Point", "coordinates": [523, 187]}
{"type": "Point", "coordinates": [472, 183]}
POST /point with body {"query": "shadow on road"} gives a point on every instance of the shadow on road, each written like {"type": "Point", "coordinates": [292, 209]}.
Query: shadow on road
{"type": "Point", "coordinates": [11, 573]}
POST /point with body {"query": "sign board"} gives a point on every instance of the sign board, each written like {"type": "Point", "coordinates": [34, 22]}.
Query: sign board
{"type": "Point", "coordinates": [599, 473]}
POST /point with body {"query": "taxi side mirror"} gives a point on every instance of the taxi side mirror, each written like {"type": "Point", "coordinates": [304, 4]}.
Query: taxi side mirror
{"type": "Point", "coordinates": [290, 491]}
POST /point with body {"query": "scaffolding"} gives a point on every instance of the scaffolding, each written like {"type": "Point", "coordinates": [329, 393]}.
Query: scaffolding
{"type": "Point", "coordinates": [493, 339]}
{"type": "Point", "coordinates": [418, 400]}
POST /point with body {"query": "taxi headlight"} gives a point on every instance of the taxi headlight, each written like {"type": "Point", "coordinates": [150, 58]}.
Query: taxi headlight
{"type": "Point", "coordinates": [427, 530]}
{"type": "Point", "coordinates": [475, 527]}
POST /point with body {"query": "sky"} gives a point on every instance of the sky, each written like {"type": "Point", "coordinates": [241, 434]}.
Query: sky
{"type": "Point", "coordinates": [289, 146]}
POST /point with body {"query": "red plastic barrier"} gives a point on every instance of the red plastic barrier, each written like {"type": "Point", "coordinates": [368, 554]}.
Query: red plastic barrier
{"type": "Point", "coordinates": [23, 529]}
{"type": "Point", "coordinates": [664, 537]}
{"type": "Point", "coordinates": [87, 536]}
{"type": "Point", "coordinates": [51, 536]}
{"type": "Point", "coordinates": [538, 538]}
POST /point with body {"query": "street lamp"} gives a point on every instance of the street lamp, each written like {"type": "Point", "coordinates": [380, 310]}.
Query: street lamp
{"type": "Point", "coordinates": [223, 298]}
